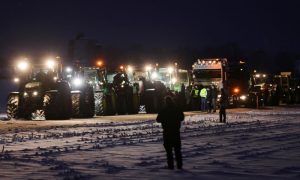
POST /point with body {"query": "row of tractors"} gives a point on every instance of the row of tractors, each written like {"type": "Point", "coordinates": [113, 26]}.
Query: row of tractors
{"type": "Point", "coordinates": [50, 90]}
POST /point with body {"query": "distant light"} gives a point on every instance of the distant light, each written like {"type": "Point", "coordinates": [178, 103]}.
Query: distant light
{"type": "Point", "coordinates": [68, 69]}
{"type": "Point", "coordinates": [130, 69]}
{"type": "Point", "coordinates": [257, 75]}
{"type": "Point", "coordinates": [23, 65]}
{"type": "Point", "coordinates": [242, 69]}
{"type": "Point", "coordinates": [264, 75]}
{"type": "Point", "coordinates": [99, 63]}
{"type": "Point", "coordinates": [77, 81]}
{"type": "Point", "coordinates": [122, 67]}
{"type": "Point", "coordinates": [35, 93]}
{"type": "Point", "coordinates": [154, 75]}
{"type": "Point", "coordinates": [170, 70]}
{"type": "Point", "coordinates": [236, 90]}
{"type": "Point", "coordinates": [209, 62]}
{"type": "Point", "coordinates": [55, 78]}
{"type": "Point", "coordinates": [16, 80]}
{"type": "Point", "coordinates": [50, 63]}
{"type": "Point", "coordinates": [243, 97]}
{"type": "Point", "coordinates": [148, 68]}
{"type": "Point", "coordinates": [174, 80]}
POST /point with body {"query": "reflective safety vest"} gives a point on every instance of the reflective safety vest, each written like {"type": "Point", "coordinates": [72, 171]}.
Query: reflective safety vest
{"type": "Point", "coordinates": [203, 92]}
{"type": "Point", "coordinates": [196, 93]}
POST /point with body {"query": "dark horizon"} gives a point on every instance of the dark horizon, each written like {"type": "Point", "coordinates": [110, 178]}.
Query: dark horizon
{"type": "Point", "coordinates": [162, 30]}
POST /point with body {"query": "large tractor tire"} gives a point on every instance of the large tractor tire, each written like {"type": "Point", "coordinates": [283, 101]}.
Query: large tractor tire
{"type": "Point", "coordinates": [57, 103]}
{"type": "Point", "coordinates": [75, 97]}
{"type": "Point", "coordinates": [100, 104]}
{"type": "Point", "coordinates": [87, 103]}
{"type": "Point", "coordinates": [12, 105]}
{"type": "Point", "coordinates": [151, 102]}
{"type": "Point", "coordinates": [50, 102]}
{"type": "Point", "coordinates": [83, 103]}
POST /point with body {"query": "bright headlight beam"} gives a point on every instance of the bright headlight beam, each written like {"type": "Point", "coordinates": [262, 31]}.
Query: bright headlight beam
{"type": "Point", "coordinates": [50, 63]}
{"type": "Point", "coordinates": [77, 82]}
{"type": "Point", "coordinates": [68, 69]}
{"type": "Point", "coordinates": [170, 70]}
{"type": "Point", "coordinates": [23, 65]}
{"type": "Point", "coordinates": [243, 97]}
{"type": "Point", "coordinates": [35, 93]}
{"type": "Point", "coordinates": [16, 80]}
{"type": "Point", "coordinates": [154, 75]}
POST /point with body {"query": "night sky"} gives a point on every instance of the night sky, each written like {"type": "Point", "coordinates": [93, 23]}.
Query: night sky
{"type": "Point", "coordinates": [30, 27]}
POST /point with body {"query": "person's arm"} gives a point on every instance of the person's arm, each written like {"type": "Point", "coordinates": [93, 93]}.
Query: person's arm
{"type": "Point", "coordinates": [181, 115]}
{"type": "Point", "coordinates": [158, 118]}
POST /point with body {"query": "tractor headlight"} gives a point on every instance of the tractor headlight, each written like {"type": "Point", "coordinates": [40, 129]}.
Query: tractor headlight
{"type": "Point", "coordinates": [243, 97]}
{"type": "Point", "coordinates": [68, 69]}
{"type": "Point", "coordinates": [23, 65]}
{"type": "Point", "coordinates": [77, 82]}
{"type": "Point", "coordinates": [35, 93]}
{"type": "Point", "coordinates": [16, 80]}
{"type": "Point", "coordinates": [25, 94]}
{"type": "Point", "coordinates": [154, 75]}
{"type": "Point", "coordinates": [50, 63]}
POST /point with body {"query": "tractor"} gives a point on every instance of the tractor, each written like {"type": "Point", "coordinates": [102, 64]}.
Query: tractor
{"type": "Point", "coordinates": [42, 94]}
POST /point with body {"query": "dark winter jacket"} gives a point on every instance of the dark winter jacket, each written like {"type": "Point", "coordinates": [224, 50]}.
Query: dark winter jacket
{"type": "Point", "coordinates": [170, 117]}
{"type": "Point", "coordinates": [224, 100]}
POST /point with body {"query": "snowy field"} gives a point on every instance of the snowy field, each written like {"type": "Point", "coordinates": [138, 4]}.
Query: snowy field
{"type": "Point", "coordinates": [254, 144]}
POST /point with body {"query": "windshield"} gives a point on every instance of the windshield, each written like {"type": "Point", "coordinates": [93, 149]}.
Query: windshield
{"type": "Point", "coordinates": [32, 85]}
{"type": "Point", "coordinates": [207, 73]}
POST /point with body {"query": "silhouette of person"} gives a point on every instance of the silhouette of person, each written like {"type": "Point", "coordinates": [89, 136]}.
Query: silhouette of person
{"type": "Point", "coordinates": [170, 117]}
{"type": "Point", "coordinates": [223, 106]}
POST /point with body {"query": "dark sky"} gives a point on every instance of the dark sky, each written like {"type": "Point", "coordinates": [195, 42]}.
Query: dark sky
{"type": "Point", "coordinates": [45, 26]}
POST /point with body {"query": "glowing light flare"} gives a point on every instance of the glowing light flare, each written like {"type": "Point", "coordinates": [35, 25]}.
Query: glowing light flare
{"type": "Point", "coordinates": [243, 97]}
{"type": "Point", "coordinates": [23, 65]}
{"type": "Point", "coordinates": [148, 68]}
{"type": "Point", "coordinates": [99, 63]}
{"type": "Point", "coordinates": [236, 90]}
{"type": "Point", "coordinates": [130, 69]}
{"type": "Point", "coordinates": [170, 70]}
{"type": "Point", "coordinates": [16, 80]}
{"type": "Point", "coordinates": [68, 69]}
{"type": "Point", "coordinates": [154, 75]}
{"type": "Point", "coordinates": [174, 80]}
{"type": "Point", "coordinates": [35, 93]}
{"type": "Point", "coordinates": [77, 82]}
{"type": "Point", "coordinates": [50, 63]}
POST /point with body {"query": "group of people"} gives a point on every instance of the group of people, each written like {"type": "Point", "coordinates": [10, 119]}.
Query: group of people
{"type": "Point", "coordinates": [204, 98]}
{"type": "Point", "coordinates": [171, 117]}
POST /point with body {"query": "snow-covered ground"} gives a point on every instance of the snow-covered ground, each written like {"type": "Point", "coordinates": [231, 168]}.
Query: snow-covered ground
{"type": "Point", "coordinates": [254, 144]}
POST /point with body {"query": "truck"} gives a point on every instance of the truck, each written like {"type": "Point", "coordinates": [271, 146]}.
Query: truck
{"type": "Point", "coordinates": [220, 73]}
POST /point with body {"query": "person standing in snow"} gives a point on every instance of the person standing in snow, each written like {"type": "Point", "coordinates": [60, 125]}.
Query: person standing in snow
{"type": "Point", "coordinates": [171, 117]}
{"type": "Point", "coordinates": [223, 105]}
{"type": "Point", "coordinates": [214, 96]}
{"type": "Point", "coordinates": [203, 95]}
